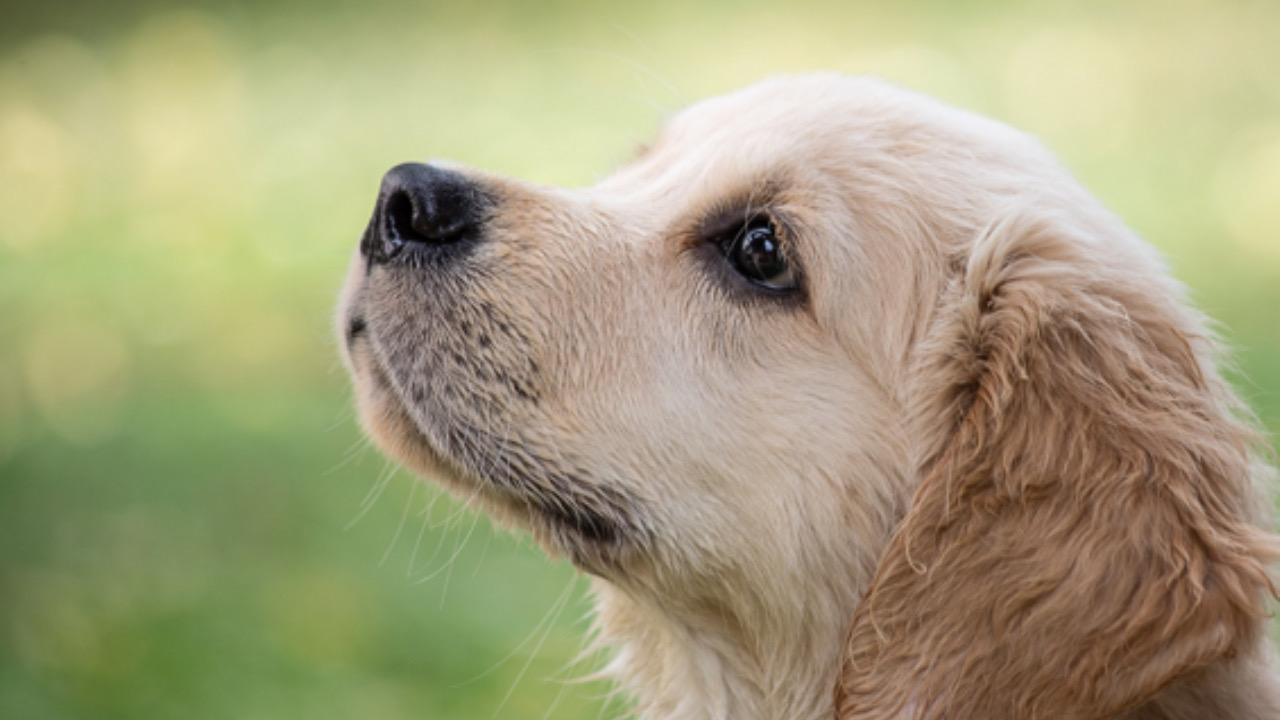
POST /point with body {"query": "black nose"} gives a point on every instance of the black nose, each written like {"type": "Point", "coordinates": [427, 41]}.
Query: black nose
{"type": "Point", "coordinates": [425, 207]}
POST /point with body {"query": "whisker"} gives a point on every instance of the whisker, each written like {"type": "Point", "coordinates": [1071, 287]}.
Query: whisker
{"type": "Point", "coordinates": [422, 531]}
{"type": "Point", "coordinates": [413, 489]}
{"type": "Point", "coordinates": [380, 485]}
{"type": "Point", "coordinates": [546, 617]}
{"type": "Point", "coordinates": [357, 450]}
{"type": "Point", "coordinates": [457, 550]}
{"type": "Point", "coordinates": [559, 606]}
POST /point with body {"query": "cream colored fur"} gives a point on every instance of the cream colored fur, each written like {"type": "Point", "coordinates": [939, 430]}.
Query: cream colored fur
{"type": "Point", "coordinates": [976, 338]}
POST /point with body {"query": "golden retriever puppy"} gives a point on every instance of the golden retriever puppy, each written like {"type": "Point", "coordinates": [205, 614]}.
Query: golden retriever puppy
{"type": "Point", "coordinates": [853, 404]}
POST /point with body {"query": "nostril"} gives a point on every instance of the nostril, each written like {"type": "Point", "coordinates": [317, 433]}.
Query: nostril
{"type": "Point", "coordinates": [425, 215]}
{"type": "Point", "coordinates": [398, 219]}
{"type": "Point", "coordinates": [356, 327]}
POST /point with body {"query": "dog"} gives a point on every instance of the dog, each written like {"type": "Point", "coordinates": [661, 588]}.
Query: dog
{"type": "Point", "coordinates": [853, 404]}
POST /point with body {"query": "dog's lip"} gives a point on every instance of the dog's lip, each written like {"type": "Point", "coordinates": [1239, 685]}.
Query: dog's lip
{"type": "Point", "coordinates": [373, 370]}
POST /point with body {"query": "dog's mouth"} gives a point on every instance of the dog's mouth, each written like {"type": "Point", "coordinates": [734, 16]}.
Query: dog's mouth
{"type": "Point", "coordinates": [512, 476]}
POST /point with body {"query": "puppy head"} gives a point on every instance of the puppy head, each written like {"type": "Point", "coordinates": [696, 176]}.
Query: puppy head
{"type": "Point", "coordinates": [692, 370]}
{"type": "Point", "coordinates": [717, 378]}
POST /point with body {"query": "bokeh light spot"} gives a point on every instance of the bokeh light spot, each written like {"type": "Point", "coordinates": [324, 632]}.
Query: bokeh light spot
{"type": "Point", "coordinates": [1071, 84]}
{"type": "Point", "coordinates": [77, 375]}
{"type": "Point", "coordinates": [187, 113]}
{"type": "Point", "coordinates": [36, 177]}
{"type": "Point", "coordinates": [1246, 193]}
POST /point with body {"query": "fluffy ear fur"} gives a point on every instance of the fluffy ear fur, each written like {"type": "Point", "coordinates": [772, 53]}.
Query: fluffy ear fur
{"type": "Point", "coordinates": [1083, 534]}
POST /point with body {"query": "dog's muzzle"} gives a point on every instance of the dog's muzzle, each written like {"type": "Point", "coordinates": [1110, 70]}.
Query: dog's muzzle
{"type": "Point", "coordinates": [420, 209]}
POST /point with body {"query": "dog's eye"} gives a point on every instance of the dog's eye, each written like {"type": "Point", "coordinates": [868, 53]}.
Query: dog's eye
{"type": "Point", "coordinates": [756, 253]}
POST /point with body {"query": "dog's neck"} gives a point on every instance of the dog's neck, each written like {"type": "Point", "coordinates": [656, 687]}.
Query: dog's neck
{"type": "Point", "coordinates": [690, 662]}
{"type": "Point", "coordinates": [758, 636]}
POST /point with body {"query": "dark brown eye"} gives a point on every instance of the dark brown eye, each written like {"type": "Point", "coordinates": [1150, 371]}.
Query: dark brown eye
{"type": "Point", "coordinates": [756, 253]}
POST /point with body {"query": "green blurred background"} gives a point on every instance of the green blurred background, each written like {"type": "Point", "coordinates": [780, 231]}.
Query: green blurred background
{"type": "Point", "coordinates": [190, 525]}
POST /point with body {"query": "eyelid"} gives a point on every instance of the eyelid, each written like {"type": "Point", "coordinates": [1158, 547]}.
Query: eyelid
{"type": "Point", "coordinates": [731, 220]}
{"type": "Point", "coordinates": [725, 225]}
{"type": "Point", "coordinates": [758, 220]}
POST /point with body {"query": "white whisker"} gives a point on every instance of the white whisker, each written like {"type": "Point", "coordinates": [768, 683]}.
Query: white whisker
{"type": "Point", "coordinates": [375, 492]}
{"type": "Point", "coordinates": [559, 606]}
{"type": "Point", "coordinates": [413, 489]}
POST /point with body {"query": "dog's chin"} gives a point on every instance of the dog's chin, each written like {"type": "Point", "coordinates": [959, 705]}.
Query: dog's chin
{"type": "Point", "coordinates": [593, 541]}
{"type": "Point", "coordinates": [388, 423]}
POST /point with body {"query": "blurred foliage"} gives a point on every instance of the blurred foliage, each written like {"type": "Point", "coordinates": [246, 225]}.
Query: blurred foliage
{"type": "Point", "coordinates": [180, 189]}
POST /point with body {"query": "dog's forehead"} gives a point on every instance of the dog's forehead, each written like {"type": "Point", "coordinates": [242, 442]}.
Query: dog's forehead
{"type": "Point", "coordinates": [760, 133]}
{"type": "Point", "coordinates": [778, 117]}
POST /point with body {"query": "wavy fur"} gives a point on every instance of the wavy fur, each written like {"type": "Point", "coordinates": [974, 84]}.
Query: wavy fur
{"type": "Point", "coordinates": [1083, 535]}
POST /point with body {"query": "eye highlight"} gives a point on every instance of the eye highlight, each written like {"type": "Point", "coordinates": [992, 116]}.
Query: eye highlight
{"type": "Point", "coordinates": [755, 252]}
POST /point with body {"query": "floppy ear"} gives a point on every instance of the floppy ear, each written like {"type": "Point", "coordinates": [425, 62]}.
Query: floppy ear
{"type": "Point", "coordinates": [1082, 532]}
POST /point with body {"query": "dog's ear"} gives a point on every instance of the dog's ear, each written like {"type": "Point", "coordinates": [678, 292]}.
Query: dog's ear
{"type": "Point", "coordinates": [1081, 534]}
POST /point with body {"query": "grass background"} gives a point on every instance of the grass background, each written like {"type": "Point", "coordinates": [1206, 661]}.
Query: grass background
{"type": "Point", "coordinates": [187, 527]}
